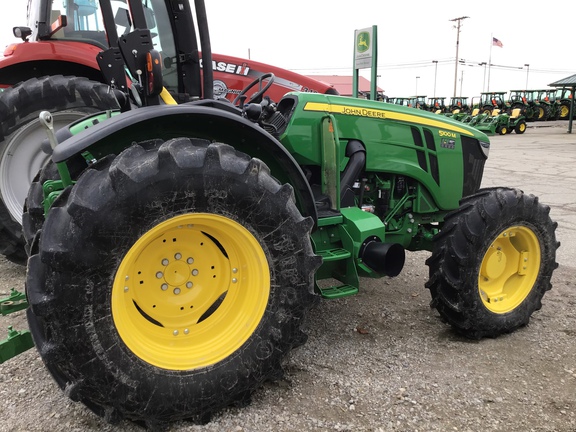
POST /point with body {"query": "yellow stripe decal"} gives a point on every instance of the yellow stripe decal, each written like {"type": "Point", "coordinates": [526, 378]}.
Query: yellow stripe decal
{"type": "Point", "coordinates": [382, 114]}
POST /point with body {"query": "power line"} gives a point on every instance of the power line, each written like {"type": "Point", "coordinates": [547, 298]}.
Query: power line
{"type": "Point", "coordinates": [429, 63]}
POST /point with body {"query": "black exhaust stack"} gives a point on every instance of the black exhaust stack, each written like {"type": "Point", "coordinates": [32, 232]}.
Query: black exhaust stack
{"type": "Point", "coordinates": [383, 258]}
{"type": "Point", "coordinates": [356, 153]}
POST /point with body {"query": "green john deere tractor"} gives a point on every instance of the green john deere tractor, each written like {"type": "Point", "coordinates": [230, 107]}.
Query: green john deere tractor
{"type": "Point", "coordinates": [493, 100]}
{"type": "Point", "coordinates": [459, 105]}
{"type": "Point", "coordinates": [438, 105]}
{"type": "Point", "coordinates": [175, 250]}
{"type": "Point", "coordinates": [521, 99]}
{"type": "Point", "coordinates": [501, 124]}
{"type": "Point", "coordinates": [563, 102]}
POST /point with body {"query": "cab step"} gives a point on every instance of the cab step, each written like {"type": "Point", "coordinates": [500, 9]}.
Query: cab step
{"type": "Point", "coordinates": [338, 291]}
{"type": "Point", "coordinates": [334, 254]}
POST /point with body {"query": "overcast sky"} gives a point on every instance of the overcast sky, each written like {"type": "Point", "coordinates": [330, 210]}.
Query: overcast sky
{"type": "Point", "coordinates": [317, 37]}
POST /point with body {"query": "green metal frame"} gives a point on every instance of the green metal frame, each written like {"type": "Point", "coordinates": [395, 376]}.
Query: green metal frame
{"type": "Point", "coordinates": [17, 341]}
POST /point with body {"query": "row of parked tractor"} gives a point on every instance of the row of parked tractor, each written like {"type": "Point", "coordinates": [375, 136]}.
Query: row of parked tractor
{"type": "Point", "coordinates": [495, 112]}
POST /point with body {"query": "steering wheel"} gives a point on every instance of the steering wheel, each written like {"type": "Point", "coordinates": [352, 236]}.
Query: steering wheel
{"type": "Point", "coordinates": [256, 97]}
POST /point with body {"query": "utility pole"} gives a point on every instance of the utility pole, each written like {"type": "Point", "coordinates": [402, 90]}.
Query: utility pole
{"type": "Point", "coordinates": [458, 20]}
{"type": "Point", "coordinates": [435, 73]}
{"type": "Point", "coordinates": [484, 79]}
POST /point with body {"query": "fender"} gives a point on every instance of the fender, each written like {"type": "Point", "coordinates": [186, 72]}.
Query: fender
{"type": "Point", "coordinates": [35, 59]}
{"type": "Point", "coordinates": [220, 122]}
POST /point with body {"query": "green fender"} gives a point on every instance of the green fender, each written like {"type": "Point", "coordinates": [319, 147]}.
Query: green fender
{"type": "Point", "coordinates": [211, 120]}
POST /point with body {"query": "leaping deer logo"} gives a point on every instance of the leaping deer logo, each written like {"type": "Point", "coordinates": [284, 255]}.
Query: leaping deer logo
{"type": "Point", "coordinates": [363, 41]}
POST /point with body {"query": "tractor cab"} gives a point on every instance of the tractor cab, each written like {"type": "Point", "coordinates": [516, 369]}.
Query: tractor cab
{"type": "Point", "coordinates": [458, 105]}
{"type": "Point", "coordinates": [493, 100]}
{"type": "Point", "coordinates": [438, 105]}
{"type": "Point", "coordinates": [70, 20]}
{"type": "Point", "coordinates": [419, 102]}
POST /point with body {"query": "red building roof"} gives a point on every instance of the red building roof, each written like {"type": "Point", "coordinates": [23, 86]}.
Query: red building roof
{"type": "Point", "coordinates": [343, 84]}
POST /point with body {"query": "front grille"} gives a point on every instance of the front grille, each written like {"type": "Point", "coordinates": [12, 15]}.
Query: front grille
{"type": "Point", "coordinates": [473, 160]}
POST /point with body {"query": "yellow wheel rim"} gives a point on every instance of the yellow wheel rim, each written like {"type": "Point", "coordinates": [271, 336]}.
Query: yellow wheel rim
{"type": "Point", "coordinates": [190, 291]}
{"type": "Point", "coordinates": [509, 269]}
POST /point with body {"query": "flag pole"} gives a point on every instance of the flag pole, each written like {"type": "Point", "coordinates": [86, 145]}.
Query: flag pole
{"type": "Point", "coordinates": [490, 60]}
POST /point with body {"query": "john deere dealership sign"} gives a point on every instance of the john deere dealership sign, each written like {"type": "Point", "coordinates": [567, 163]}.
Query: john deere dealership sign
{"type": "Point", "coordinates": [365, 56]}
{"type": "Point", "coordinates": [365, 47]}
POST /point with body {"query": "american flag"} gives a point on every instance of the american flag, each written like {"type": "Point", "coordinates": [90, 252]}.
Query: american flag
{"type": "Point", "coordinates": [497, 42]}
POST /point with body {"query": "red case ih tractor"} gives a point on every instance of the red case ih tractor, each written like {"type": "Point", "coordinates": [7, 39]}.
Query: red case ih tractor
{"type": "Point", "coordinates": [57, 70]}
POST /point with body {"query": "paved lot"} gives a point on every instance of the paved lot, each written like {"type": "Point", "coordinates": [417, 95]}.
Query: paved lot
{"type": "Point", "coordinates": [542, 161]}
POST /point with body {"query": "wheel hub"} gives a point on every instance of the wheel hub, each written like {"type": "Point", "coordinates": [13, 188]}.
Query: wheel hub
{"type": "Point", "coordinates": [177, 273]}
{"type": "Point", "coordinates": [190, 291]}
{"type": "Point", "coordinates": [509, 269]}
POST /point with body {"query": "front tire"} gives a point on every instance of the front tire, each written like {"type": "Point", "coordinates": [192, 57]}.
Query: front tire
{"type": "Point", "coordinates": [520, 127]}
{"type": "Point", "coordinates": [492, 262]}
{"type": "Point", "coordinates": [68, 98]}
{"type": "Point", "coordinates": [186, 271]}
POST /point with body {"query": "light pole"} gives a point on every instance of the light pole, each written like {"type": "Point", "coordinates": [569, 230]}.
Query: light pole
{"type": "Point", "coordinates": [527, 72]}
{"type": "Point", "coordinates": [457, 45]}
{"type": "Point", "coordinates": [417, 78]}
{"type": "Point", "coordinates": [483, 79]}
{"type": "Point", "coordinates": [435, 74]}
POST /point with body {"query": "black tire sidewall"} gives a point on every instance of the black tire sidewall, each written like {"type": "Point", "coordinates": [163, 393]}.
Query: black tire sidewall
{"type": "Point", "coordinates": [21, 105]}
{"type": "Point", "coordinates": [115, 373]}
{"type": "Point", "coordinates": [459, 251]}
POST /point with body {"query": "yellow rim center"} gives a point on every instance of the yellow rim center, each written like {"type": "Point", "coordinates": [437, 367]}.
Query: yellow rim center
{"type": "Point", "coordinates": [509, 269]}
{"type": "Point", "coordinates": [190, 291]}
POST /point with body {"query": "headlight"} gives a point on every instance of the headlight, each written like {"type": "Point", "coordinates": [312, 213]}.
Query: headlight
{"type": "Point", "coordinates": [485, 146]}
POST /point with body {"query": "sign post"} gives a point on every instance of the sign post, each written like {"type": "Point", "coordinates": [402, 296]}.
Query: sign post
{"type": "Point", "coordinates": [365, 56]}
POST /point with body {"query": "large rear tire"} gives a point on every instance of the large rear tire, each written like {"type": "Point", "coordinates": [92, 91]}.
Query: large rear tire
{"type": "Point", "coordinates": [68, 98]}
{"type": "Point", "coordinates": [564, 111]}
{"type": "Point", "coordinates": [492, 262]}
{"type": "Point", "coordinates": [170, 282]}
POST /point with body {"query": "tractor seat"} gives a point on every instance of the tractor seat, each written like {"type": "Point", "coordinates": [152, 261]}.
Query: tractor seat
{"type": "Point", "coordinates": [495, 112]}
{"type": "Point", "coordinates": [475, 111]}
{"type": "Point", "coordinates": [515, 113]}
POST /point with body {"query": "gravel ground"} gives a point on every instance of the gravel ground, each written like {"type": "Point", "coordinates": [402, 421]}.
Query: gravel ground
{"type": "Point", "coordinates": [378, 361]}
